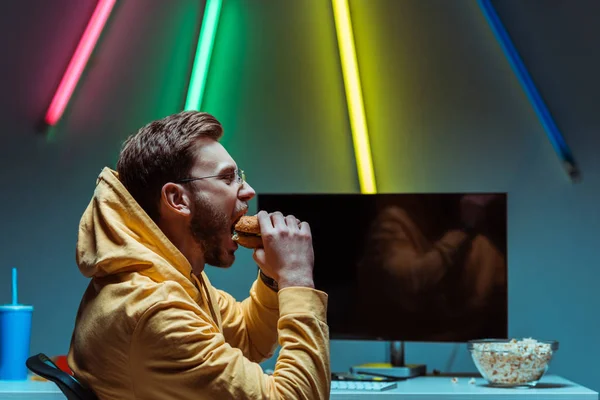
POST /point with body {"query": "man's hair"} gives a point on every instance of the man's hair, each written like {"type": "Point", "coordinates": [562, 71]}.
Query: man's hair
{"type": "Point", "coordinates": [162, 152]}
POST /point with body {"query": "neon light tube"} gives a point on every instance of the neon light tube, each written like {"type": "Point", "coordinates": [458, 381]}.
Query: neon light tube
{"type": "Point", "coordinates": [358, 123]}
{"type": "Point", "coordinates": [556, 138]}
{"type": "Point", "coordinates": [206, 42]}
{"type": "Point", "coordinates": [79, 60]}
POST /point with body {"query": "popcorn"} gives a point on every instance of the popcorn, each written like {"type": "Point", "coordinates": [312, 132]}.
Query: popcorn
{"type": "Point", "coordinates": [454, 380]}
{"type": "Point", "coordinates": [472, 381]}
{"type": "Point", "coordinates": [512, 363]}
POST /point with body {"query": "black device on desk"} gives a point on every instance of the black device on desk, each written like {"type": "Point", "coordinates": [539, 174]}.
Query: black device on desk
{"type": "Point", "coordinates": [423, 267]}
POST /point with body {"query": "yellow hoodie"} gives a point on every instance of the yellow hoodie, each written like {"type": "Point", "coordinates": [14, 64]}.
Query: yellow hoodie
{"type": "Point", "coordinates": [148, 328]}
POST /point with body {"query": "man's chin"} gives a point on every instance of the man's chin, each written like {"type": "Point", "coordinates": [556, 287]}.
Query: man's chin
{"type": "Point", "coordinates": [224, 262]}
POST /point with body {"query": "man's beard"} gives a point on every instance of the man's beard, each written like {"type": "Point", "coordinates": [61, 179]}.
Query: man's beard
{"type": "Point", "coordinates": [208, 226]}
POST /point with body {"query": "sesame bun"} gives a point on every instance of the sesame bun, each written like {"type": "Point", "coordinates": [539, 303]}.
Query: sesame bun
{"type": "Point", "coordinates": [248, 224]}
{"type": "Point", "coordinates": [247, 232]}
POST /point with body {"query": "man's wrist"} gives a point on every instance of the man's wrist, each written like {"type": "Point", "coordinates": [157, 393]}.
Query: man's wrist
{"type": "Point", "coordinates": [296, 281]}
{"type": "Point", "coordinates": [267, 280]}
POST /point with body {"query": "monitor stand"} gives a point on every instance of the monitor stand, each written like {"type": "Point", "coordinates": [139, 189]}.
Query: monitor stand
{"type": "Point", "coordinates": [395, 369]}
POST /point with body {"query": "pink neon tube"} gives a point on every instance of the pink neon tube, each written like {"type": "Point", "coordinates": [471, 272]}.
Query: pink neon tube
{"type": "Point", "coordinates": [80, 58]}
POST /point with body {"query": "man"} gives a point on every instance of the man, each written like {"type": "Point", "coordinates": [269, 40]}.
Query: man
{"type": "Point", "coordinates": [150, 325]}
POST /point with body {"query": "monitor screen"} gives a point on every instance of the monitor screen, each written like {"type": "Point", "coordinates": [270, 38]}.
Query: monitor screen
{"type": "Point", "coordinates": [407, 267]}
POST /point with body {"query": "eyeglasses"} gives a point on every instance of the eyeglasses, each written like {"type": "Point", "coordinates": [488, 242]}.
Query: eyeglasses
{"type": "Point", "coordinates": [240, 177]}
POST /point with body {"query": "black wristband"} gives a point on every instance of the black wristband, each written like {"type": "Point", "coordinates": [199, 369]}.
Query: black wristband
{"type": "Point", "coordinates": [270, 282]}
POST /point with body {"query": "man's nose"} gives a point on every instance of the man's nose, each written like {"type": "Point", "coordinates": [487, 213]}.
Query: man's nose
{"type": "Point", "coordinates": [246, 192]}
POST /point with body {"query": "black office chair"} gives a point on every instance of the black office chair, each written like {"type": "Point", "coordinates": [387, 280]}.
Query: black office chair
{"type": "Point", "coordinates": [71, 387]}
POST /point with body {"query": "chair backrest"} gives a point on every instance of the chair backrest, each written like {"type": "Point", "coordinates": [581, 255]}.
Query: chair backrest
{"type": "Point", "coordinates": [71, 387]}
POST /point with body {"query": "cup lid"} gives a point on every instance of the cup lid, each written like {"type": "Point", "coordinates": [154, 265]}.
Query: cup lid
{"type": "Point", "coordinates": [15, 307]}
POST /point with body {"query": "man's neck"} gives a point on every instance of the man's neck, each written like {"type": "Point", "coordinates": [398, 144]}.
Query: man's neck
{"type": "Point", "coordinates": [186, 245]}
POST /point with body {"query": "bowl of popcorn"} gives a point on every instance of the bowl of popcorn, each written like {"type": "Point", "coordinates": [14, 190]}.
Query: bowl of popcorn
{"type": "Point", "coordinates": [512, 363]}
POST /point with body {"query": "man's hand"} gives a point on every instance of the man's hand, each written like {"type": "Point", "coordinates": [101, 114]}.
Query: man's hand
{"type": "Point", "coordinates": [287, 255]}
{"type": "Point", "coordinates": [473, 209]}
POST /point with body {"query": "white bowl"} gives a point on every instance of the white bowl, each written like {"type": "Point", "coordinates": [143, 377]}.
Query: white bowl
{"type": "Point", "coordinates": [510, 363]}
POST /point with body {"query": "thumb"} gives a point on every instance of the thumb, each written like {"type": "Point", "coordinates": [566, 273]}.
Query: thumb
{"type": "Point", "coordinates": [259, 257]}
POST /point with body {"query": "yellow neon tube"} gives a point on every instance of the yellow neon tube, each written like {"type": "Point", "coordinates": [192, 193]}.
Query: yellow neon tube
{"type": "Point", "coordinates": [356, 110]}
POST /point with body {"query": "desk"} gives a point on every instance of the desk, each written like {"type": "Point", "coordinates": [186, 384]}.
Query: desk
{"type": "Point", "coordinates": [30, 390]}
{"type": "Point", "coordinates": [423, 388]}
{"type": "Point", "coordinates": [441, 388]}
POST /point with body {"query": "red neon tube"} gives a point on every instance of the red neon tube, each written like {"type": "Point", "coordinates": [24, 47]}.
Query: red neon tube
{"type": "Point", "coordinates": [79, 60]}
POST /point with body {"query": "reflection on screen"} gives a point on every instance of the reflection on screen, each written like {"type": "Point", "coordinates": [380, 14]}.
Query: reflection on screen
{"type": "Point", "coordinates": [414, 267]}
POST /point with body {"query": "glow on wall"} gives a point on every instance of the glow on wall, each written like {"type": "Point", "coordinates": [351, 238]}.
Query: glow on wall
{"type": "Point", "coordinates": [356, 110]}
{"type": "Point", "coordinates": [204, 50]}
{"type": "Point", "coordinates": [78, 61]}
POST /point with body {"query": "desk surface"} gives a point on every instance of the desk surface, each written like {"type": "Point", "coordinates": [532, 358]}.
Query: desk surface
{"type": "Point", "coordinates": [437, 387]}
{"type": "Point", "coordinates": [29, 390]}
{"type": "Point", "coordinates": [422, 388]}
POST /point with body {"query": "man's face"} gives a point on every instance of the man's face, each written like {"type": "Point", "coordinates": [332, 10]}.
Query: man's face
{"type": "Point", "coordinates": [217, 203]}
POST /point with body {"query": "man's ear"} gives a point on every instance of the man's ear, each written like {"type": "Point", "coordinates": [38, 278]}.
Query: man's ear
{"type": "Point", "coordinates": [177, 199]}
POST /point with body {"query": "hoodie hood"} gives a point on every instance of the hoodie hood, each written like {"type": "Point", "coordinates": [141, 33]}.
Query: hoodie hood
{"type": "Point", "coordinates": [117, 236]}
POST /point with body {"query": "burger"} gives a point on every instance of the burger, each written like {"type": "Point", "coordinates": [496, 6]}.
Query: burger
{"type": "Point", "coordinates": [247, 232]}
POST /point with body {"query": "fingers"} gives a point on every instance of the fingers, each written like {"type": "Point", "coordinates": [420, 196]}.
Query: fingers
{"type": "Point", "coordinates": [277, 219]}
{"type": "Point", "coordinates": [304, 227]}
{"type": "Point", "coordinates": [269, 221]}
{"type": "Point", "coordinates": [264, 220]}
{"type": "Point", "coordinates": [259, 257]}
{"type": "Point", "coordinates": [292, 222]}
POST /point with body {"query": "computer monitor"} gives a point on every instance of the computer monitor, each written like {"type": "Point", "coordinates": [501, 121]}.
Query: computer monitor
{"type": "Point", "coordinates": [407, 267]}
